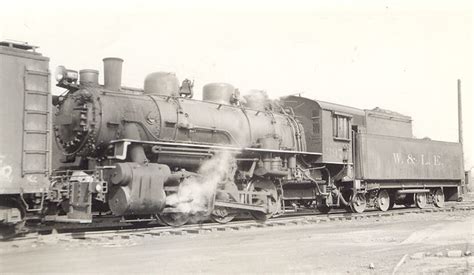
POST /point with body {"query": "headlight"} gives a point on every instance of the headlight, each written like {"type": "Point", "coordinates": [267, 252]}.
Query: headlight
{"type": "Point", "coordinates": [59, 73]}
{"type": "Point", "coordinates": [63, 74]}
{"type": "Point", "coordinates": [98, 187]}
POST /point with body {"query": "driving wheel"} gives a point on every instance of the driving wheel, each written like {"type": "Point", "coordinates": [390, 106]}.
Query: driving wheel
{"type": "Point", "coordinates": [174, 219]}
{"type": "Point", "coordinates": [222, 215]}
{"type": "Point", "coordinates": [274, 203]}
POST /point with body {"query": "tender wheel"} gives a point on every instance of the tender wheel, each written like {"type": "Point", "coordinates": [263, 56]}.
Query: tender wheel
{"type": "Point", "coordinates": [383, 200]}
{"type": "Point", "coordinates": [274, 203]}
{"type": "Point", "coordinates": [421, 200]}
{"type": "Point", "coordinates": [439, 198]}
{"type": "Point", "coordinates": [358, 203]}
{"type": "Point", "coordinates": [222, 215]}
{"type": "Point", "coordinates": [174, 219]}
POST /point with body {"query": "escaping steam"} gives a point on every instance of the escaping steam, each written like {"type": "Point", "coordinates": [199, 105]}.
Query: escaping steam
{"type": "Point", "coordinates": [256, 99]}
{"type": "Point", "coordinates": [259, 100]}
{"type": "Point", "coordinates": [195, 193]}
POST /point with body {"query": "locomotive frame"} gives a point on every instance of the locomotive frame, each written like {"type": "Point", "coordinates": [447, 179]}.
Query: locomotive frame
{"type": "Point", "coordinates": [129, 151]}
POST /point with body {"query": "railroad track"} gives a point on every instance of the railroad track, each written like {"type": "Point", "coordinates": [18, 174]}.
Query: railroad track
{"type": "Point", "coordinates": [127, 231]}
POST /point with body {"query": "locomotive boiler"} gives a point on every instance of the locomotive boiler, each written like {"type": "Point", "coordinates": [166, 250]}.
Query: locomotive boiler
{"type": "Point", "coordinates": [90, 116]}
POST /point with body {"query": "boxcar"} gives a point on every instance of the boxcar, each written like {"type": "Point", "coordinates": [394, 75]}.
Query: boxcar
{"type": "Point", "coordinates": [25, 114]}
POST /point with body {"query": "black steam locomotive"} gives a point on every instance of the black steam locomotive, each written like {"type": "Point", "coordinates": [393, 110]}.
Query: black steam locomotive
{"type": "Point", "coordinates": [158, 153]}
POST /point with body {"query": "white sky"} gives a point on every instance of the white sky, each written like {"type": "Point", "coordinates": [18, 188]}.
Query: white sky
{"type": "Point", "coordinates": [399, 55]}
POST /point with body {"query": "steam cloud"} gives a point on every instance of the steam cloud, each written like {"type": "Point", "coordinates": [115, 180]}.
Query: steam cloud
{"type": "Point", "coordinates": [256, 99]}
{"type": "Point", "coordinates": [195, 193]}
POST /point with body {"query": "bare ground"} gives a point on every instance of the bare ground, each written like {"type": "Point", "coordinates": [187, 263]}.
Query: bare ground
{"type": "Point", "coordinates": [364, 246]}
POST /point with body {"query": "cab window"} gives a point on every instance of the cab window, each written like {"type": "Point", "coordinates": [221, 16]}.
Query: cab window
{"type": "Point", "coordinates": [315, 120]}
{"type": "Point", "coordinates": [341, 126]}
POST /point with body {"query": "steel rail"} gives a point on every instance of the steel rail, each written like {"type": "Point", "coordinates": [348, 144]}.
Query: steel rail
{"type": "Point", "coordinates": [123, 231]}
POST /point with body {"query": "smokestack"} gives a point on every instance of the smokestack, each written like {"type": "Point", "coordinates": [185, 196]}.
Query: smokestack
{"type": "Point", "coordinates": [112, 73]}
{"type": "Point", "coordinates": [459, 112]}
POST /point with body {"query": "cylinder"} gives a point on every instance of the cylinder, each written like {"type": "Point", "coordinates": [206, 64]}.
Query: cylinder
{"type": "Point", "coordinates": [218, 93]}
{"type": "Point", "coordinates": [142, 192]}
{"type": "Point", "coordinates": [88, 76]}
{"type": "Point", "coordinates": [121, 174]}
{"type": "Point", "coordinates": [161, 83]}
{"type": "Point", "coordinates": [112, 73]}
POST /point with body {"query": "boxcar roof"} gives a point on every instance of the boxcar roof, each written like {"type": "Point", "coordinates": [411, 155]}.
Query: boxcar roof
{"type": "Point", "coordinates": [18, 45]}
